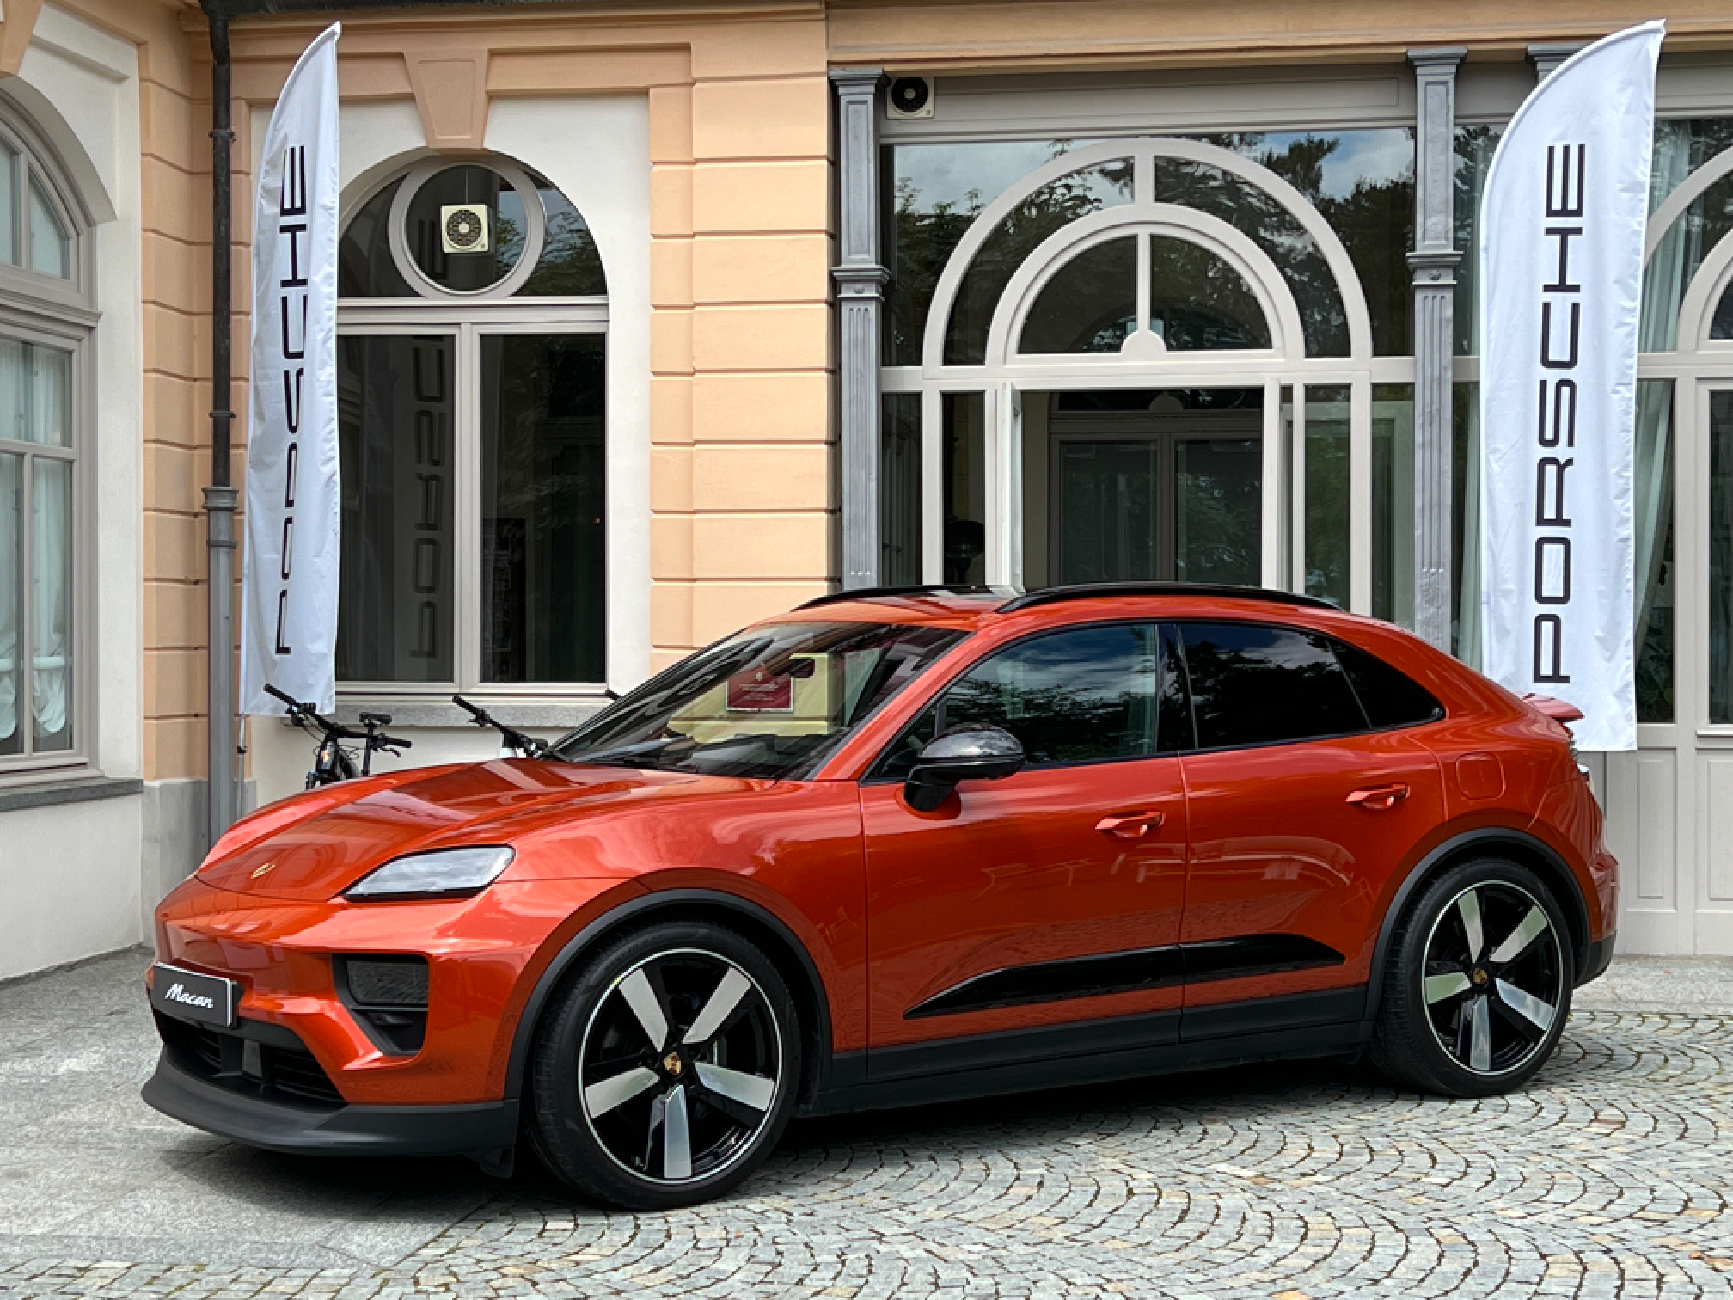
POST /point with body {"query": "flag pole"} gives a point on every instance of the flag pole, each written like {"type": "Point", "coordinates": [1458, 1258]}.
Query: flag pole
{"type": "Point", "coordinates": [220, 496]}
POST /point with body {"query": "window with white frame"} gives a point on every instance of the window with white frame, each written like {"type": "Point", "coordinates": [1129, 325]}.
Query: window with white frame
{"type": "Point", "coordinates": [472, 420]}
{"type": "Point", "coordinates": [45, 319]}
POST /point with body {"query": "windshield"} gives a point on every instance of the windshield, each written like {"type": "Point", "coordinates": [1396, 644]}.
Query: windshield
{"type": "Point", "coordinates": [766, 703]}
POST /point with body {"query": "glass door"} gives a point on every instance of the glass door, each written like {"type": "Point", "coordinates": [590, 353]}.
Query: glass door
{"type": "Point", "coordinates": [1140, 486]}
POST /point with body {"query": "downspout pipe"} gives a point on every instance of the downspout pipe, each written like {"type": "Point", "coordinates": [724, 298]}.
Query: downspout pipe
{"type": "Point", "coordinates": [221, 496]}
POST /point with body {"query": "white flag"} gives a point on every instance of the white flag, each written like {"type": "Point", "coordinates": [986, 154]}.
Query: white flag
{"type": "Point", "coordinates": [1561, 266]}
{"type": "Point", "coordinates": [289, 593]}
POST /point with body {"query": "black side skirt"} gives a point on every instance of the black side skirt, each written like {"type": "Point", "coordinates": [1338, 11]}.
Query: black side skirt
{"type": "Point", "coordinates": [1300, 1025]}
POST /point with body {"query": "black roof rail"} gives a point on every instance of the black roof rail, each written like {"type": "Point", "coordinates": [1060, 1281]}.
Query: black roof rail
{"type": "Point", "coordinates": [882, 593]}
{"type": "Point", "coordinates": [1090, 590]}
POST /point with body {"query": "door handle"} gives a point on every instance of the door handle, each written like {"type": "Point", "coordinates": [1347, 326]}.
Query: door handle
{"type": "Point", "coordinates": [1380, 796]}
{"type": "Point", "coordinates": [1131, 826]}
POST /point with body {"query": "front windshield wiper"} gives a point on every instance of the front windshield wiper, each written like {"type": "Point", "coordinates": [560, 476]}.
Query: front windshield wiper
{"type": "Point", "coordinates": [624, 755]}
{"type": "Point", "coordinates": [525, 744]}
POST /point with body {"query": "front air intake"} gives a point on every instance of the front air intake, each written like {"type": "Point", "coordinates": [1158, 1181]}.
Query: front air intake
{"type": "Point", "coordinates": [388, 998]}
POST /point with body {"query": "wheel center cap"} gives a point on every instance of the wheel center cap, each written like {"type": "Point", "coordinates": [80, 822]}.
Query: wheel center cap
{"type": "Point", "coordinates": [1479, 976]}
{"type": "Point", "coordinates": [673, 1064]}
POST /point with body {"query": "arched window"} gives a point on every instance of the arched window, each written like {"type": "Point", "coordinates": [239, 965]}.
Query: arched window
{"type": "Point", "coordinates": [1153, 358]}
{"type": "Point", "coordinates": [45, 321]}
{"type": "Point", "coordinates": [472, 417]}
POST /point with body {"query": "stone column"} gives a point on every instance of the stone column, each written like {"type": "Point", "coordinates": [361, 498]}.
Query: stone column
{"type": "Point", "coordinates": [1433, 263]}
{"type": "Point", "coordinates": [1546, 58]}
{"type": "Point", "coordinates": [860, 281]}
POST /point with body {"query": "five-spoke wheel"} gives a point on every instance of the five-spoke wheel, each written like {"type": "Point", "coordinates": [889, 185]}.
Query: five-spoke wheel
{"type": "Point", "coordinates": [667, 1070]}
{"type": "Point", "coordinates": [1479, 982]}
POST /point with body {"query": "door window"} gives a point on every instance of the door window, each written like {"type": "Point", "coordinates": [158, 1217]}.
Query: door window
{"type": "Point", "coordinates": [1084, 695]}
{"type": "Point", "coordinates": [1252, 684]}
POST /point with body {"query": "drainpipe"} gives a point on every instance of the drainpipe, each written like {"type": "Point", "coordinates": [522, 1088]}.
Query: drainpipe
{"type": "Point", "coordinates": [220, 496]}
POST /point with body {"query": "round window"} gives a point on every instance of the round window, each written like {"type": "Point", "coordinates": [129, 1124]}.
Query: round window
{"type": "Point", "coordinates": [467, 229]}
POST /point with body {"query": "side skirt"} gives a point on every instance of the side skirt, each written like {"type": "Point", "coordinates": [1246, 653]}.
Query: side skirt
{"type": "Point", "coordinates": [1099, 1051]}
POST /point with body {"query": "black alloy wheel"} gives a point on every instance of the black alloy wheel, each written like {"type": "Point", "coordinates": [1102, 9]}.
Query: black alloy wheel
{"type": "Point", "coordinates": [668, 1069]}
{"type": "Point", "coordinates": [1479, 985]}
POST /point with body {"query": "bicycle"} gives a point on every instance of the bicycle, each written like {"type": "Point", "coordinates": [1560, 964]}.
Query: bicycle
{"type": "Point", "coordinates": [332, 762]}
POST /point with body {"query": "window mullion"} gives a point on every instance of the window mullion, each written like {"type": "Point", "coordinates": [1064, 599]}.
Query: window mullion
{"type": "Point", "coordinates": [467, 514]}
{"type": "Point", "coordinates": [25, 706]}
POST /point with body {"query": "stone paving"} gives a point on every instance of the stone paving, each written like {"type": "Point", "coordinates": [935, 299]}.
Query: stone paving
{"type": "Point", "coordinates": [1610, 1176]}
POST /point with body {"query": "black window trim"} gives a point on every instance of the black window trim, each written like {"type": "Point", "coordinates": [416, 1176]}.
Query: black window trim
{"type": "Point", "coordinates": [1164, 628]}
{"type": "Point", "coordinates": [874, 777]}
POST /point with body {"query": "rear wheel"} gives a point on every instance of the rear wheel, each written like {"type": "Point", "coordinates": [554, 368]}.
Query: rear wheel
{"type": "Point", "coordinates": [666, 1072]}
{"type": "Point", "coordinates": [1478, 986]}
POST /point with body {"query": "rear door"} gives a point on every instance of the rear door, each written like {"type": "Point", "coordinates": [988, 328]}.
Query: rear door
{"type": "Point", "coordinates": [1301, 807]}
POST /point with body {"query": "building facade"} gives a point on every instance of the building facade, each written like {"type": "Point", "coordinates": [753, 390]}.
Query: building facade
{"type": "Point", "coordinates": [782, 295]}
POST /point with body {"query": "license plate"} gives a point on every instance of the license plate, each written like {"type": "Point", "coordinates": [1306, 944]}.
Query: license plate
{"type": "Point", "coordinates": [187, 995]}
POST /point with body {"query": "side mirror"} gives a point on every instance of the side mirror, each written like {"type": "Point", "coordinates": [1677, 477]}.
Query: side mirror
{"type": "Point", "coordinates": [970, 752]}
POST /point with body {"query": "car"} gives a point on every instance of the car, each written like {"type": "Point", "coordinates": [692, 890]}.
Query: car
{"type": "Point", "coordinates": [893, 847]}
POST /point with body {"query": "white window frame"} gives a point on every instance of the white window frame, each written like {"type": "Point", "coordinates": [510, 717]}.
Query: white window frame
{"type": "Point", "coordinates": [51, 311]}
{"type": "Point", "coordinates": [467, 317]}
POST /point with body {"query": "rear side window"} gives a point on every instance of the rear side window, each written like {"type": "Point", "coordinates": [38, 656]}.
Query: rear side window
{"type": "Point", "coordinates": [1252, 684]}
{"type": "Point", "coordinates": [1390, 697]}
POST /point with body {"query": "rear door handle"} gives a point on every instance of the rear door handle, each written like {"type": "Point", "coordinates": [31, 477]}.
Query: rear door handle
{"type": "Point", "coordinates": [1131, 826]}
{"type": "Point", "coordinates": [1380, 796]}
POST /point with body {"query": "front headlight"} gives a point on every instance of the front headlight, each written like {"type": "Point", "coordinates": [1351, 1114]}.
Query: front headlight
{"type": "Point", "coordinates": [443, 873]}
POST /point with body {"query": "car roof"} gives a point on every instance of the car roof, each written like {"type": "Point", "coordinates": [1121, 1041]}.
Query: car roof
{"type": "Point", "coordinates": [975, 607]}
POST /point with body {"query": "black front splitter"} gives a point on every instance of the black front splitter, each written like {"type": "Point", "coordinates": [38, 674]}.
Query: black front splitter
{"type": "Point", "coordinates": [486, 1131]}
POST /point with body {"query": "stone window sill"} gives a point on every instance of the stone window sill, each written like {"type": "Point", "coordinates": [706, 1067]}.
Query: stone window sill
{"type": "Point", "coordinates": [46, 794]}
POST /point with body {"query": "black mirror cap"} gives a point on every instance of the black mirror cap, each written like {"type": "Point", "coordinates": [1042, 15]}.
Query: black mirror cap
{"type": "Point", "coordinates": [970, 752]}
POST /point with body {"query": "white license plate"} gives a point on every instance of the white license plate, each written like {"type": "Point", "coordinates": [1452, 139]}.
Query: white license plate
{"type": "Point", "coordinates": [188, 995]}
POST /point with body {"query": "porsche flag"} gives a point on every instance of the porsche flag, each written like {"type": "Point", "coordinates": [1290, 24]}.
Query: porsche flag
{"type": "Point", "coordinates": [289, 589]}
{"type": "Point", "coordinates": [1561, 264]}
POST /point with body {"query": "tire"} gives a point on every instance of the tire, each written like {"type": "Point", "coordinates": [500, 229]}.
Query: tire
{"type": "Point", "coordinates": [666, 1070]}
{"type": "Point", "coordinates": [1478, 984]}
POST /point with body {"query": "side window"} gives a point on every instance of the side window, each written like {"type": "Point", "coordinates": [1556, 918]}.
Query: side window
{"type": "Point", "coordinates": [1390, 697]}
{"type": "Point", "coordinates": [1083, 695]}
{"type": "Point", "coordinates": [1252, 684]}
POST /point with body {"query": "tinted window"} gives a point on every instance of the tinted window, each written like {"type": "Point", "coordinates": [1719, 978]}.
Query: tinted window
{"type": "Point", "coordinates": [1255, 685]}
{"type": "Point", "coordinates": [1084, 695]}
{"type": "Point", "coordinates": [1390, 698]}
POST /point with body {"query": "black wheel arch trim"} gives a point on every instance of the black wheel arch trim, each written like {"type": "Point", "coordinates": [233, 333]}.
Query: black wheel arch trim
{"type": "Point", "coordinates": [1485, 839]}
{"type": "Point", "coordinates": [644, 908]}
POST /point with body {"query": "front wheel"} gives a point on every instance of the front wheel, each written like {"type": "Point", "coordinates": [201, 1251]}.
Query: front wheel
{"type": "Point", "coordinates": [666, 1071]}
{"type": "Point", "coordinates": [1478, 986]}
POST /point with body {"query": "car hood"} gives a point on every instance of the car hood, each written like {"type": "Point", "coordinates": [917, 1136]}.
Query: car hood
{"type": "Point", "coordinates": [316, 845]}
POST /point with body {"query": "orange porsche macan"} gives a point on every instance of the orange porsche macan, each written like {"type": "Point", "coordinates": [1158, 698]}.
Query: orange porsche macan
{"type": "Point", "coordinates": [893, 847]}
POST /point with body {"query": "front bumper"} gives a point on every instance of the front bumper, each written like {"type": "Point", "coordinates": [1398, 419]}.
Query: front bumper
{"type": "Point", "coordinates": [486, 1131]}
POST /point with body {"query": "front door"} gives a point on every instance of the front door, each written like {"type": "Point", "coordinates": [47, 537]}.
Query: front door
{"type": "Point", "coordinates": [1299, 815]}
{"type": "Point", "coordinates": [1054, 894]}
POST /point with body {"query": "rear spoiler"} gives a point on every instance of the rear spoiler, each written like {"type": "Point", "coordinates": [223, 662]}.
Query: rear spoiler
{"type": "Point", "coordinates": [1558, 710]}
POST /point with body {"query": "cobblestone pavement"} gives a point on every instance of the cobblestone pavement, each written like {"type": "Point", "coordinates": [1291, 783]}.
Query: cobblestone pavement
{"type": "Point", "coordinates": [1610, 1176]}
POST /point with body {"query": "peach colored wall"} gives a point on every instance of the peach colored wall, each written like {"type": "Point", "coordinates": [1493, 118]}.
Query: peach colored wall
{"type": "Point", "coordinates": [964, 35]}
{"type": "Point", "coordinates": [740, 184]}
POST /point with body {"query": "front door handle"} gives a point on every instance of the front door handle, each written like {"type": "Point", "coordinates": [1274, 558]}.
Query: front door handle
{"type": "Point", "coordinates": [1380, 796]}
{"type": "Point", "coordinates": [1131, 826]}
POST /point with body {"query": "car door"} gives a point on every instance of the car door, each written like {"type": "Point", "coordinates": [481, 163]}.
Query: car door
{"type": "Point", "coordinates": [1301, 808]}
{"type": "Point", "coordinates": [1048, 896]}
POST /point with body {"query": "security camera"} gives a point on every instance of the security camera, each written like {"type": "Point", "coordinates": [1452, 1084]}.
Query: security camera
{"type": "Point", "coordinates": [910, 97]}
